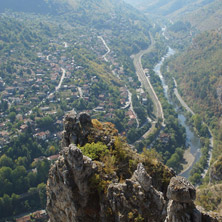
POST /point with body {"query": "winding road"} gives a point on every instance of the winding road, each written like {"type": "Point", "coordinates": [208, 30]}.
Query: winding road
{"type": "Point", "coordinates": [108, 49]}
{"type": "Point", "coordinates": [61, 80]}
{"type": "Point", "coordinates": [52, 93]}
{"type": "Point", "coordinates": [80, 92]}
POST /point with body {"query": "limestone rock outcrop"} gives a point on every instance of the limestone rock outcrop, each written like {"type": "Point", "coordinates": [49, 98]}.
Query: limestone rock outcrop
{"type": "Point", "coordinates": [68, 189]}
{"type": "Point", "coordinates": [181, 207]}
{"type": "Point", "coordinates": [118, 186]}
{"type": "Point", "coordinates": [77, 128]}
{"type": "Point", "coordinates": [136, 196]}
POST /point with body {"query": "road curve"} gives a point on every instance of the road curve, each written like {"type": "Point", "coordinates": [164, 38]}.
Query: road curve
{"type": "Point", "coordinates": [108, 49]}
{"type": "Point", "coordinates": [61, 80]}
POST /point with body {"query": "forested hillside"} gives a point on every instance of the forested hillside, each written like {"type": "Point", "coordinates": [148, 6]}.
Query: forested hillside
{"type": "Point", "coordinates": [198, 71]}
{"type": "Point", "coordinates": [169, 8]}
{"type": "Point", "coordinates": [206, 18]}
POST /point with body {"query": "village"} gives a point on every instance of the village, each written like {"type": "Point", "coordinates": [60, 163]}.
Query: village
{"type": "Point", "coordinates": [39, 90]}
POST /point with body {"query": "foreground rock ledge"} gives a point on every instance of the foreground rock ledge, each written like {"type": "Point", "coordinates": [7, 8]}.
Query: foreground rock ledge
{"type": "Point", "coordinates": [181, 194]}
{"type": "Point", "coordinates": [72, 197]}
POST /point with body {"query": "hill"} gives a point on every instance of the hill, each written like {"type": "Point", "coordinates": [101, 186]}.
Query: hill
{"type": "Point", "coordinates": [198, 70]}
{"type": "Point", "coordinates": [169, 8]}
{"type": "Point", "coordinates": [64, 6]}
{"type": "Point", "coordinates": [205, 18]}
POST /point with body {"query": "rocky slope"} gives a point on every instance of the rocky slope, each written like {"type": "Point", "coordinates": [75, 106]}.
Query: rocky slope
{"type": "Point", "coordinates": [117, 184]}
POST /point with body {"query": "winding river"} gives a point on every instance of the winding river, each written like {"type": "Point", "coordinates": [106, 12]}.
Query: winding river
{"type": "Point", "coordinates": [192, 140]}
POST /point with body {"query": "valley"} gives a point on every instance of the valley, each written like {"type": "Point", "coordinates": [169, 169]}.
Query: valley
{"type": "Point", "coordinates": [117, 64]}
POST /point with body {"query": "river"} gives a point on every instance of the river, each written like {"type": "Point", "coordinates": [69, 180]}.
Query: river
{"type": "Point", "coordinates": [192, 140]}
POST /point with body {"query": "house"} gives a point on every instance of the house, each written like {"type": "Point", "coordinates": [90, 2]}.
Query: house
{"type": "Point", "coordinates": [164, 137]}
{"type": "Point", "coordinates": [39, 215]}
{"type": "Point", "coordinates": [39, 158]}
{"type": "Point", "coordinates": [23, 127]}
{"type": "Point", "coordinates": [4, 134]}
{"type": "Point", "coordinates": [53, 157]}
{"type": "Point", "coordinates": [42, 135]}
{"type": "Point", "coordinates": [10, 89]}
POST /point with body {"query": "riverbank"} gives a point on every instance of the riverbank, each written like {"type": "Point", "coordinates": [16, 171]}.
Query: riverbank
{"type": "Point", "coordinates": [189, 159]}
{"type": "Point", "coordinates": [188, 109]}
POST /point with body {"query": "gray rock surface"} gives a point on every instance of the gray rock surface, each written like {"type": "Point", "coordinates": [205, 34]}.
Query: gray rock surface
{"type": "Point", "coordinates": [77, 128]}
{"type": "Point", "coordinates": [181, 208]}
{"type": "Point", "coordinates": [67, 186]}
{"type": "Point", "coordinates": [181, 190]}
{"type": "Point", "coordinates": [137, 197]}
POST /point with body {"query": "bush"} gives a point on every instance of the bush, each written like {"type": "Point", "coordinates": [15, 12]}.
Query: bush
{"type": "Point", "coordinates": [95, 151]}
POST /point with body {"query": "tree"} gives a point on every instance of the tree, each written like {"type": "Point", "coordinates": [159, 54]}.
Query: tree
{"type": "Point", "coordinates": [6, 161]}
{"type": "Point", "coordinates": [42, 170]}
{"type": "Point", "coordinates": [42, 194]}
{"type": "Point", "coordinates": [52, 150]}
{"type": "Point", "coordinates": [12, 116]}
{"type": "Point", "coordinates": [21, 161]}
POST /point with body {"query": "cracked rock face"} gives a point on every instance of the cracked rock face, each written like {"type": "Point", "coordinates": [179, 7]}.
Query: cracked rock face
{"type": "Point", "coordinates": [67, 186]}
{"type": "Point", "coordinates": [181, 190]}
{"type": "Point", "coordinates": [77, 128]}
{"type": "Point", "coordinates": [137, 196]}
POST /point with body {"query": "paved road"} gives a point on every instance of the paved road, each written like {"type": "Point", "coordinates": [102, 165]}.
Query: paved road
{"type": "Point", "coordinates": [108, 49]}
{"type": "Point", "coordinates": [183, 103]}
{"type": "Point", "coordinates": [131, 108]}
{"type": "Point", "coordinates": [146, 82]}
{"type": "Point", "coordinates": [80, 92]}
{"type": "Point", "coordinates": [61, 80]}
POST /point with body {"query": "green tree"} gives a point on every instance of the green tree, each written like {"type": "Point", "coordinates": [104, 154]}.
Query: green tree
{"type": "Point", "coordinates": [42, 194]}
{"type": "Point", "coordinates": [94, 150]}
{"type": "Point", "coordinates": [6, 161]}
{"type": "Point", "coordinates": [12, 116]}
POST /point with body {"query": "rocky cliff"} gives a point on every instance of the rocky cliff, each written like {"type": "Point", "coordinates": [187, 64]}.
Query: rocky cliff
{"type": "Point", "coordinates": [116, 183]}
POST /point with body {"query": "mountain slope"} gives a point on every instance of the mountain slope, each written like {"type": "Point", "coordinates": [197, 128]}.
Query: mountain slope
{"type": "Point", "coordinates": [198, 70]}
{"type": "Point", "coordinates": [206, 18]}
{"type": "Point", "coordinates": [61, 6]}
{"type": "Point", "coordinates": [169, 7]}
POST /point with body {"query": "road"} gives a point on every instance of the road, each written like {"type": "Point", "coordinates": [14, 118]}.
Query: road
{"type": "Point", "coordinates": [183, 103]}
{"type": "Point", "coordinates": [146, 82]}
{"type": "Point", "coordinates": [131, 108]}
{"type": "Point", "coordinates": [61, 80]}
{"type": "Point", "coordinates": [56, 88]}
{"type": "Point", "coordinates": [80, 92]}
{"type": "Point", "coordinates": [108, 49]}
